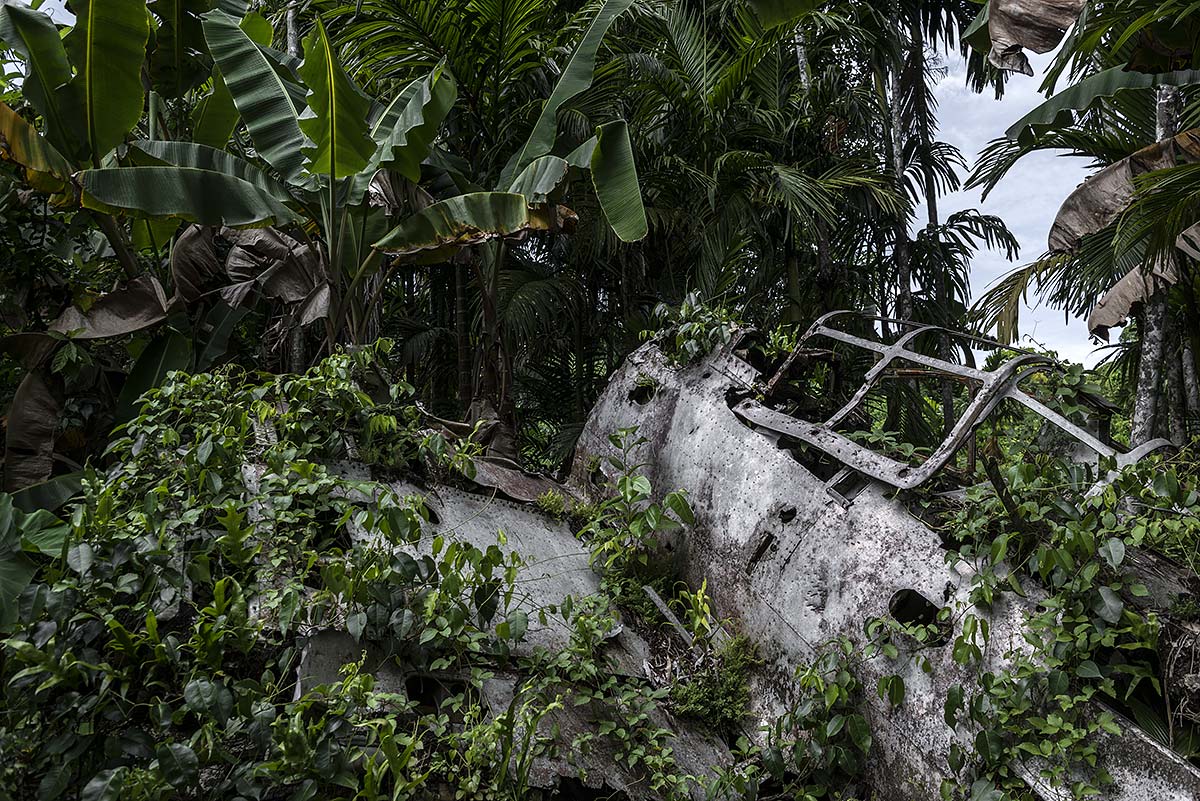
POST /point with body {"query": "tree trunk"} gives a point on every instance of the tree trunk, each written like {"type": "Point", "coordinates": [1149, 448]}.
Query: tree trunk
{"type": "Point", "coordinates": [794, 313]}
{"type": "Point", "coordinates": [297, 358]}
{"type": "Point", "coordinates": [1146, 406]}
{"type": "Point", "coordinates": [462, 336]}
{"type": "Point", "coordinates": [1191, 382]}
{"type": "Point", "coordinates": [293, 31]}
{"type": "Point", "coordinates": [893, 145]}
{"type": "Point", "coordinates": [802, 61]}
{"type": "Point", "coordinates": [1150, 364]}
{"type": "Point", "coordinates": [120, 245]}
{"type": "Point", "coordinates": [1176, 406]}
{"type": "Point", "coordinates": [494, 399]}
{"type": "Point", "coordinates": [925, 128]}
{"type": "Point", "coordinates": [791, 263]}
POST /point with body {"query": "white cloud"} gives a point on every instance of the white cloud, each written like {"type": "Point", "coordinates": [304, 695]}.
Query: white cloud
{"type": "Point", "coordinates": [1027, 199]}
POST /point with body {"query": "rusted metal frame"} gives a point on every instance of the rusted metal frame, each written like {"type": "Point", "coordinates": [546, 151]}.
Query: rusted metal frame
{"type": "Point", "coordinates": [991, 343]}
{"type": "Point", "coordinates": [991, 388]}
{"type": "Point", "coordinates": [1051, 416]}
{"type": "Point", "coordinates": [1142, 451]}
{"type": "Point", "coordinates": [871, 378]}
{"type": "Point", "coordinates": [830, 442]}
{"type": "Point", "coordinates": [817, 324]}
{"type": "Point", "coordinates": [995, 386]}
{"type": "Point", "coordinates": [893, 351]}
{"type": "Point", "coordinates": [1122, 459]}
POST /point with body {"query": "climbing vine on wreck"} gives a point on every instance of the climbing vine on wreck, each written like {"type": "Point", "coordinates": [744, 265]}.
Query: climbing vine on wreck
{"type": "Point", "coordinates": [152, 650]}
{"type": "Point", "coordinates": [153, 637]}
{"type": "Point", "coordinates": [691, 331]}
{"type": "Point", "coordinates": [1094, 634]}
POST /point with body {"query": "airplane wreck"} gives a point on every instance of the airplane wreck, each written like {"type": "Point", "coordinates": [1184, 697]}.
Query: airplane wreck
{"type": "Point", "coordinates": [803, 531]}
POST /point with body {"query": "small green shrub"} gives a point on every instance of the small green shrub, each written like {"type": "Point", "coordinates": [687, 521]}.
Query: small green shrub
{"type": "Point", "coordinates": [719, 693]}
{"type": "Point", "coordinates": [693, 329]}
{"type": "Point", "coordinates": [552, 503]}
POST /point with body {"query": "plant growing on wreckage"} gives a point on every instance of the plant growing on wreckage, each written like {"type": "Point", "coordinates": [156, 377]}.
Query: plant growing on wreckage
{"type": "Point", "coordinates": [692, 330]}
{"type": "Point", "coordinates": [815, 749]}
{"type": "Point", "coordinates": [151, 638]}
{"type": "Point", "coordinates": [621, 533]}
{"type": "Point", "coordinates": [1085, 640]}
{"type": "Point", "coordinates": [154, 634]}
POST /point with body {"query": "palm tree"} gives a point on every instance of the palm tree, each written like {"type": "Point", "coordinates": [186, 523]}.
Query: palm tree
{"type": "Point", "coordinates": [1123, 111]}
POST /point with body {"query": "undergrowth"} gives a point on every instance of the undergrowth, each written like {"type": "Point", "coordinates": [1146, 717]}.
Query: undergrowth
{"type": "Point", "coordinates": [153, 634]}
{"type": "Point", "coordinates": [1091, 637]}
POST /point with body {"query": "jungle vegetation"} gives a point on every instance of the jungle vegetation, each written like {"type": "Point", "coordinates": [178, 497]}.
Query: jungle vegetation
{"type": "Point", "coordinates": [345, 218]}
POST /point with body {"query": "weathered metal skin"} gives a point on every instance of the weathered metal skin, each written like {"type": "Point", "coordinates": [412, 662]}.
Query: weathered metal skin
{"type": "Point", "coordinates": [793, 565]}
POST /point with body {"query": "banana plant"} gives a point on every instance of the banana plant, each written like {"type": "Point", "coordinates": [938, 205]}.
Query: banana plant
{"type": "Point", "coordinates": [322, 141]}
{"type": "Point", "coordinates": [526, 198]}
{"type": "Point", "coordinates": [319, 141]}
{"type": "Point", "coordinates": [85, 86]}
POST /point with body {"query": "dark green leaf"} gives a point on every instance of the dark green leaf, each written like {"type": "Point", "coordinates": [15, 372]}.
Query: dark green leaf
{"type": "Point", "coordinates": [1109, 606]}
{"type": "Point", "coordinates": [215, 116]}
{"type": "Point", "coordinates": [200, 196]}
{"type": "Point", "coordinates": [259, 91]}
{"type": "Point", "coordinates": [1113, 552]}
{"type": "Point", "coordinates": [778, 12]}
{"type": "Point", "coordinates": [336, 118]}
{"type": "Point", "coordinates": [105, 785]}
{"type": "Point", "coordinates": [1060, 110]}
{"type": "Point", "coordinates": [203, 157]}
{"type": "Point", "coordinates": [178, 764]}
{"type": "Point", "coordinates": [48, 495]}
{"type": "Point", "coordinates": [180, 59]}
{"type": "Point", "coordinates": [107, 47]}
{"type": "Point", "coordinates": [575, 78]}
{"type": "Point", "coordinates": [614, 176]}
{"type": "Point", "coordinates": [35, 37]}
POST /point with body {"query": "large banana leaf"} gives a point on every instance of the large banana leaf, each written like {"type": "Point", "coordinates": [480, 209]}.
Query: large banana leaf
{"type": "Point", "coordinates": [35, 36]}
{"type": "Point", "coordinates": [462, 221]}
{"type": "Point", "coordinates": [543, 175]}
{"type": "Point", "coordinates": [215, 116]}
{"type": "Point", "coordinates": [336, 118]}
{"type": "Point", "coordinates": [107, 47]}
{"type": "Point", "coordinates": [32, 422]}
{"type": "Point", "coordinates": [614, 176]}
{"type": "Point", "coordinates": [189, 154]}
{"type": "Point", "coordinates": [1060, 110]}
{"type": "Point", "coordinates": [136, 306]}
{"type": "Point", "coordinates": [177, 64]}
{"type": "Point", "coordinates": [46, 168]}
{"type": "Point", "coordinates": [576, 77]}
{"type": "Point", "coordinates": [186, 193]}
{"type": "Point", "coordinates": [260, 93]}
{"type": "Point", "coordinates": [406, 129]}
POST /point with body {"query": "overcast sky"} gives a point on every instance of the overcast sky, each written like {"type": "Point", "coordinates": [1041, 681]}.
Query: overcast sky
{"type": "Point", "coordinates": [1027, 199]}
